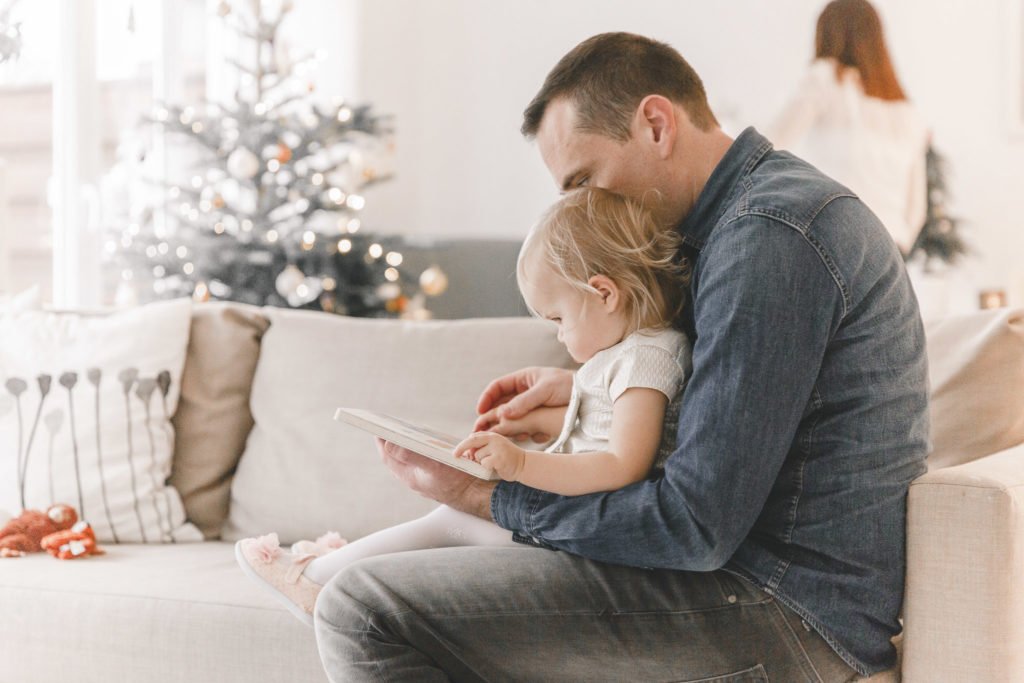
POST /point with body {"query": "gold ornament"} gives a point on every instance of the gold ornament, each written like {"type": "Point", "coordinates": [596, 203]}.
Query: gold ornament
{"type": "Point", "coordinates": [284, 153]}
{"type": "Point", "coordinates": [433, 281]}
{"type": "Point", "coordinates": [201, 292]}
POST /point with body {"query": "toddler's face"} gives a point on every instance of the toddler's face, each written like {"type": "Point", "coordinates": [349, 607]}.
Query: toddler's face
{"type": "Point", "coordinates": [583, 326]}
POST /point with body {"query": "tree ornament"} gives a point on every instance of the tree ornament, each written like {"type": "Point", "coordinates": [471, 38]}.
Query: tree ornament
{"type": "Point", "coordinates": [433, 281]}
{"type": "Point", "coordinates": [284, 153]}
{"type": "Point", "coordinates": [243, 164]}
{"type": "Point", "coordinates": [288, 280]}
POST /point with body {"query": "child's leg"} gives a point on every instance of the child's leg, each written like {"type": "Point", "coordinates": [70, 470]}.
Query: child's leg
{"type": "Point", "coordinates": [439, 529]}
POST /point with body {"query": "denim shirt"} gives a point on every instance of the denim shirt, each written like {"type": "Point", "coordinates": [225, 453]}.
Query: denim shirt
{"type": "Point", "coordinates": [804, 420]}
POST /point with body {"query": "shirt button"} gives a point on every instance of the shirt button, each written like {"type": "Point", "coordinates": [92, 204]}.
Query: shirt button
{"type": "Point", "coordinates": [731, 599]}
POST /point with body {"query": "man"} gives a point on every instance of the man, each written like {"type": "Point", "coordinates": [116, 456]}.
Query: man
{"type": "Point", "coordinates": [772, 545]}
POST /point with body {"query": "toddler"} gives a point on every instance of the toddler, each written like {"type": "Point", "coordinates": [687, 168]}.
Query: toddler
{"type": "Point", "coordinates": [599, 267]}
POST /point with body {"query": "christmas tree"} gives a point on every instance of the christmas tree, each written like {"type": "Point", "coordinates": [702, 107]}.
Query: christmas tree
{"type": "Point", "coordinates": [939, 238]}
{"type": "Point", "coordinates": [269, 212]}
{"type": "Point", "coordinates": [10, 34]}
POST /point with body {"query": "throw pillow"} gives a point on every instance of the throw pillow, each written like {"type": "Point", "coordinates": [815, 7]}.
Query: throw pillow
{"type": "Point", "coordinates": [85, 407]}
{"type": "Point", "coordinates": [213, 418]}
{"type": "Point", "coordinates": [976, 368]}
{"type": "Point", "coordinates": [303, 473]}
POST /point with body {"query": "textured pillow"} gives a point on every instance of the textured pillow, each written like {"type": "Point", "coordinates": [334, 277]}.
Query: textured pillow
{"type": "Point", "coordinates": [213, 419]}
{"type": "Point", "coordinates": [85, 406]}
{"type": "Point", "coordinates": [976, 368]}
{"type": "Point", "coordinates": [303, 473]}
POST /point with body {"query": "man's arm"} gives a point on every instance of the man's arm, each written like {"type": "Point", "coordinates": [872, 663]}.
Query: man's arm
{"type": "Point", "coordinates": [766, 307]}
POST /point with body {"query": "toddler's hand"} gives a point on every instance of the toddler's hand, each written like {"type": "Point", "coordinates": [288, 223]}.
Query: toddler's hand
{"type": "Point", "coordinates": [494, 451]}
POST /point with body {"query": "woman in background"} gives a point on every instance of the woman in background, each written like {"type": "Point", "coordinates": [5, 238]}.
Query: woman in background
{"type": "Point", "coordinates": [852, 120]}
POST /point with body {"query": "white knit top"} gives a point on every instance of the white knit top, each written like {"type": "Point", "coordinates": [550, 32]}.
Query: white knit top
{"type": "Point", "coordinates": [653, 359]}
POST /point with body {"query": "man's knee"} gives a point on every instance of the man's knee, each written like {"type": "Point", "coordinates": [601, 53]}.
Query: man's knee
{"type": "Point", "coordinates": [349, 600]}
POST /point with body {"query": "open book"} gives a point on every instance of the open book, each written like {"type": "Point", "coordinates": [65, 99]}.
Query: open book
{"type": "Point", "coordinates": [417, 438]}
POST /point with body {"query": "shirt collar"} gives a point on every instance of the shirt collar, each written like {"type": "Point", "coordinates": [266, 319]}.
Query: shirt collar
{"type": "Point", "coordinates": [741, 157]}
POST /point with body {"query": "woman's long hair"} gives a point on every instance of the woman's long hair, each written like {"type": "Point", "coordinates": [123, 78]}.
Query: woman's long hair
{"type": "Point", "coordinates": [850, 32]}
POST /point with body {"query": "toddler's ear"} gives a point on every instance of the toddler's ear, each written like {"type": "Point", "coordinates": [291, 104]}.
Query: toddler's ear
{"type": "Point", "coordinates": [611, 297]}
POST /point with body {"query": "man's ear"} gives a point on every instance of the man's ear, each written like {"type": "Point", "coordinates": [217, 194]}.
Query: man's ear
{"type": "Point", "coordinates": [656, 118]}
{"type": "Point", "coordinates": [611, 297]}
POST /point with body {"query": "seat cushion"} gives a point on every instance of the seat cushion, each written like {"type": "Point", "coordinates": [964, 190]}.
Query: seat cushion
{"type": "Point", "coordinates": [155, 613]}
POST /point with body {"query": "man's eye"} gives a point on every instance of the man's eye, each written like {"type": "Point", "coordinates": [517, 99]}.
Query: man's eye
{"type": "Point", "coordinates": [582, 182]}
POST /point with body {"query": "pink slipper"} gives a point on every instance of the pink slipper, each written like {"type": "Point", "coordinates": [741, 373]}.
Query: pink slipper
{"type": "Point", "coordinates": [321, 546]}
{"type": "Point", "coordinates": [280, 573]}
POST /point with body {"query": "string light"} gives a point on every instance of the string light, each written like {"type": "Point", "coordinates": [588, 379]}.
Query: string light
{"type": "Point", "coordinates": [355, 202]}
{"type": "Point", "coordinates": [188, 268]}
{"type": "Point", "coordinates": [181, 252]}
{"type": "Point", "coordinates": [317, 179]}
{"type": "Point", "coordinates": [391, 274]}
{"type": "Point", "coordinates": [393, 258]}
{"type": "Point", "coordinates": [375, 250]}
{"type": "Point", "coordinates": [354, 225]}
{"type": "Point", "coordinates": [272, 236]}
{"type": "Point", "coordinates": [344, 246]}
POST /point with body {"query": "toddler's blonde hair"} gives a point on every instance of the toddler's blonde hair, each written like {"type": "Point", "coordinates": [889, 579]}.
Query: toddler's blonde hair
{"type": "Point", "coordinates": [591, 232]}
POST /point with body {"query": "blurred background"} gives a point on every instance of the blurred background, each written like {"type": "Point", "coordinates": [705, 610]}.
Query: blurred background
{"type": "Point", "coordinates": [99, 147]}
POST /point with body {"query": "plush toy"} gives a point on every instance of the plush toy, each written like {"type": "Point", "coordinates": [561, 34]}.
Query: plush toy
{"type": "Point", "coordinates": [71, 544]}
{"type": "Point", "coordinates": [25, 533]}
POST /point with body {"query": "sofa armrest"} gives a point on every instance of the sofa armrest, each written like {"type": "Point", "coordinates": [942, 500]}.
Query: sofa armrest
{"type": "Point", "coordinates": [964, 602]}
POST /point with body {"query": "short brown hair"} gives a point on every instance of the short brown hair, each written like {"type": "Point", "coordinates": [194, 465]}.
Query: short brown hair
{"type": "Point", "coordinates": [591, 232]}
{"type": "Point", "coordinates": [608, 75]}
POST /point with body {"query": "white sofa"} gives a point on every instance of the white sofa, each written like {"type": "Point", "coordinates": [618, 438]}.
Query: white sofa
{"type": "Point", "coordinates": [184, 612]}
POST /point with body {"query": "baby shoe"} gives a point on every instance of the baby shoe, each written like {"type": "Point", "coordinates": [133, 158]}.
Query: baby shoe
{"type": "Point", "coordinates": [321, 546]}
{"type": "Point", "coordinates": [280, 573]}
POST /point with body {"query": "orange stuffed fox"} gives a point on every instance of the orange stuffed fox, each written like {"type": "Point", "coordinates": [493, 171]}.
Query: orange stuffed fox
{"type": "Point", "coordinates": [57, 531]}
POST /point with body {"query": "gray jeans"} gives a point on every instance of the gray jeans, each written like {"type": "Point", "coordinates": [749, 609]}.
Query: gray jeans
{"type": "Point", "coordinates": [530, 614]}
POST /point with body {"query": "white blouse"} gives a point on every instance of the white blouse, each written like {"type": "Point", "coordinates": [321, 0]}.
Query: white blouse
{"type": "Point", "coordinates": [875, 147]}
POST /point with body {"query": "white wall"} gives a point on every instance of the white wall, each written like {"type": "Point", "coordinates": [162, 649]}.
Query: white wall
{"type": "Point", "coordinates": [457, 74]}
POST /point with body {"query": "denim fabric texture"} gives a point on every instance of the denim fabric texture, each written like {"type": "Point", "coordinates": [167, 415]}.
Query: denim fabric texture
{"type": "Point", "coordinates": [475, 614]}
{"type": "Point", "coordinates": [803, 423]}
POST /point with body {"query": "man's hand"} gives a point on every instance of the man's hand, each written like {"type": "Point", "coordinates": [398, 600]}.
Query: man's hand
{"type": "Point", "coordinates": [540, 424]}
{"type": "Point", "coordinates": [513, 396]}
{"type": "Point", "coordinates": [432, 479]}
{"type": "Point", "coordinates": [494, 451]}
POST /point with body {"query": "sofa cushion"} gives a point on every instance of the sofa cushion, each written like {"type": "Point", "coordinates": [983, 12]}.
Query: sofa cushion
{"type": "Point", "coordinates": [213, 418]}
{"type": "Point", "coordinates": [85, 406]}
{"type": "Point", "coordinates": [976, 368]}
{"type": "Point", "coordinates": [303, 473]}
{"type": "Point", "coordinates": [159, 614]}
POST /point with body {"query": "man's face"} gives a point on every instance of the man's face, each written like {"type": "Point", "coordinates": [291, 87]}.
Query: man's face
{"type": "Point", "coordinates": [576, 158]}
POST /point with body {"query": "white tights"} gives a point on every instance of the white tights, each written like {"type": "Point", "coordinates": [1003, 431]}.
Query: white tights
{"type": "Point", "coordinates": [444, 527]}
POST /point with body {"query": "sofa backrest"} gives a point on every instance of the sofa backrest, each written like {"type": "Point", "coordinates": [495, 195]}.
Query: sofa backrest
{"type": "Point", "coordinates": [976, 369]}
{"type": "Point", "coordinates": [302, 473]}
